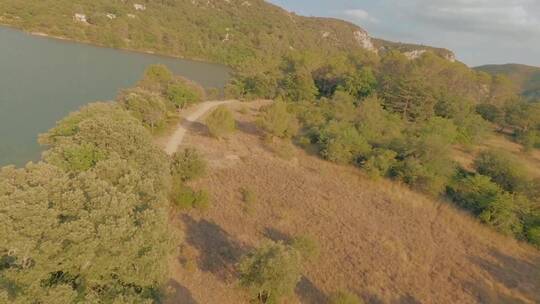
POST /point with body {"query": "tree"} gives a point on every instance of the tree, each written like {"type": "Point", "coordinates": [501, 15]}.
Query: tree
{"type": "Point", "coordinates": [271, 272]}
{"type": "Point", "coordinates": [182, 92]}
{"type": "Point", "coordinates": [221, 122]}
{"type": "Point", "coordinates": [503, 169]}
{"type": "Point", "coordinates": [278, 121]}
{"type": "Point", "coordinates": [341, 143]}
{"type": "Point", "coordinates": [156, 78]}
{"type": "Point", "coordinates": [148, 107]}
{"type": "Point", "coordinates": [187, 165]}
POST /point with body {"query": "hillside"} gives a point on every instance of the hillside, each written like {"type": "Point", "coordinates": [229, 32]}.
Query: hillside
{"type": "Point", "coordinates": [232, 32]}
{"type": "Point", "coordinates": [377, 239]}
{"type": "Point", "coordinates": [527, 78]}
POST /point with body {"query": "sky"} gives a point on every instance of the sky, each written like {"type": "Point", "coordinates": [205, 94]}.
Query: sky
{"type": "Point", "coordinates": [478, 31]}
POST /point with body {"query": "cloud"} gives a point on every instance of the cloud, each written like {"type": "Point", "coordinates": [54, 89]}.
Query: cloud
{"type": "Point", "coordinates": [360, 15]}
{"type": "Point", "coordinates": [515, 17]}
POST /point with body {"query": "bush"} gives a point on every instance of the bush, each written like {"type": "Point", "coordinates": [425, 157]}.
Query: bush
{"type": "Point", "coordinates": [474, 192]}
{"type": "Point", "coordinates": [156, 78]}
{"type": "Point", "coordinates": [221, 122]}
{"type": "Point", "coordinates": [187, 165]}
{"type": "Point", "coordinates": [307, 247]}
{"type": "Point", "coordinates": [490, 113]}
{"type": "Point", "coordinates": [345, 297]}
{"type": "Point", "coordinates": [278, 121]}
{"type": "Point", "coordinates": [341, 143]}
{"type": "Point", "coordinates": [271, 272]}
{"type": "Point", "coordinates": [182, 92]}
{"type": "Point", "coordinates": [503, 169]}
{"type": "Point", "coordinates": [380, 162]}
{"type": "Point", "coordinates": [533, 235]}
{"type": "Point", "coordinates": [146, 106]}
{"type": "Point", "coordinates": [502, 215]}
{"type": "Point", "coordinates": [183, 198]}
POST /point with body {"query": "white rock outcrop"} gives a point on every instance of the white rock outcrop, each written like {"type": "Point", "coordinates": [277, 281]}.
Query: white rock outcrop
{"type": "Point", "coordinates": [139, 7]}
{"type": "Point", "coordinates": [364, 40]}
{"type": "Point", "coordinates": [412, 55]}
{"type": "Point", "coordinates": [80, 18]}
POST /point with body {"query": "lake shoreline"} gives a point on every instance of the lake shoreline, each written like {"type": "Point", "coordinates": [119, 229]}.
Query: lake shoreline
{"type": "Point", "coordinates": [90, 43]}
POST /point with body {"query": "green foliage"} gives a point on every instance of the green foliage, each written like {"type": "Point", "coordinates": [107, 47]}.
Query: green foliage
{"type": "Point", "coordinates": [502, 215]}
{"type": "Point", "coordinates": [271, 272]}
{"type": "Point", "coordinates": [95, 228]}
{"type": "Point", "coordinates": [276, 120]}
{"type": "Point", "coordinates": [182, 92]}
{"type": "Point", "coordinates": [148, 107]}
{"type": "Point", "coordinates": [187, 165]}
{"type": "Point", "coordinates": [341, 143]}
{"type": "Point", "coordinates": [490, 113]}
{"type": "Point", "coordinates": [345, 297]}
{"type": "Point", "coordinates": [503, 169]}
{"type": "Point", "coordinates": [307, 247]}
{"type": "Point", "coordinates": [156, 78]}
{"type": "Point", "coordinates": [380, 162]}
{"type": "Point", "coordinates": [185, 198]}
{"type": "Point", "coordinates": [533, 235]}
{"type": "Point", "coordinates": [474, 192]}
{"type": "Point", "coordinates": [376, 125]}
{"type": "Point", "coordinates": [221, 122]}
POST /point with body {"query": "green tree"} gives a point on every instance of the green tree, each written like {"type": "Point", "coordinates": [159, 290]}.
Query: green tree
{"type": "Point", "coordinates": [276, 120]}
{"type": "Point", "coordinates": [148, 107]}
{"type": "Point", "coordinates": [271, 272]}
{"type": "Point", "coordinates": [221, 122]}
{"type": "Point", "coordinates": [503, 169]}
{"type": "Point", "coordinates": [187, 165]}
{"type": "Point", "coordinates": [341, 143]}
{"type": "Point", "coordinates": [182, 92]}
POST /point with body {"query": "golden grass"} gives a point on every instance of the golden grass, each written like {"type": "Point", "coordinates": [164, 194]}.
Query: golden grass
{"type": "Point", "coordinates": [378, 239]}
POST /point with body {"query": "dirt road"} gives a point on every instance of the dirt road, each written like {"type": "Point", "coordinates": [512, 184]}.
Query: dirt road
{"type": "Point", "coordinates": [197, 112]}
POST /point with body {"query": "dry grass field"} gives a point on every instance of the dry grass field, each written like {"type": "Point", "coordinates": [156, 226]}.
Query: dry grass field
{"type": "Point", "coordinates": [377, 239]}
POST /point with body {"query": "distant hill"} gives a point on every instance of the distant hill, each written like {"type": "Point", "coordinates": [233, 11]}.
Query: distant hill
{"type": "Point", "coordinates": [526, 77]}
{"type": "Point", "coordinates": [233, 32]}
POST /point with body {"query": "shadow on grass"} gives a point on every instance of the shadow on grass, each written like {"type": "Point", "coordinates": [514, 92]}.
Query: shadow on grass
{"type": "Point", "coordinates": [179, 294]}
{"type": "Point", "coordinates": [515, 274]}
{"type": "Point", "coordinates": [219, 252]}
{"type": "Point", "coordinates": [308, 293]}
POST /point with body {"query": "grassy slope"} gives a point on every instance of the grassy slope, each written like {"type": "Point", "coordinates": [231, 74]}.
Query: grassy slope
{"type": "Point", "coordinates": [377, 238]}
{"type": "Point", "coordinates": [231, 32]}
{"type": "Point", "coordinates": [526, 77]}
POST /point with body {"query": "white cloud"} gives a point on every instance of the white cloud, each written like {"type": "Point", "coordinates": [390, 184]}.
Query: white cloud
{"type": "Point", "coordinates": [500, 16]}
{"type": "Point", "coordinates": [360, 15]}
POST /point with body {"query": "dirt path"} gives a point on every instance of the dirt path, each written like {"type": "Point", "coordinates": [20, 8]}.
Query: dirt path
{"type": "Point", "coordinates": [176, 139]}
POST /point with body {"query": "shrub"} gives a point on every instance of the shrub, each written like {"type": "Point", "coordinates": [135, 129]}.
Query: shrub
{"type": "Point", "coordinates": [380, 162]}
{"type": "Point", "coordinates": [156, 78]}
{"type": "Point", "coordinates": [421, 176]}
{"type": "Point", "coordinates": [502, 215]}
{"type": "Point", "coordinates": [278, 121]}
{"type": "Point", "coordinates": [221, 122]}
{"type": "Point", "coordinates": [188, 165]}
{"type": "Point", "coordinates": [271, 272]}
{"type": "Point", "coordinates": [503, 169]}
{"type": "Point", "coordinates": [490, 113]}
{"type": "Point", "coordinates": [341, 143]}
{"type": "Point", "coordinates": [182, 92]}
{"type": "Point", "coordinates": [307, 247]}
{"type": "Point", "coordinates": [533, 235]}
{"type": "Point", "coordinates": [345, 297]}
{"type": "Point", "coordinates": [474, 192]}
{"type": "Point", "coordinates": [146, 106]}
{"type": "Point", "coordinates": [76, 157]}
{"type": "Point", "coordinates": [183, 198]}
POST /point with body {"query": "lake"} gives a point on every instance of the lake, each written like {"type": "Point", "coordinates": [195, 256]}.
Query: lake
{"type": "Point", "coordinates": [43, 79]}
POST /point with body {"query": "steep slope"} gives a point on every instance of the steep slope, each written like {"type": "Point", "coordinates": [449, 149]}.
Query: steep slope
{"type": "Point", "coordinates": [526, 77]}
{"type": "Point", "coordinates": [226, 31]}
{"type": "Point", "coordinates": [376, 238]}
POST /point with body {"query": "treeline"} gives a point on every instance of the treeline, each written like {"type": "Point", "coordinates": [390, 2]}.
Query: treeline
{"type": "Point", "coordinates": [400, 118]}
{"type": "Point", "coordinates": [89, 223]}
{"type": "Point", "coordinates": [237, 33]}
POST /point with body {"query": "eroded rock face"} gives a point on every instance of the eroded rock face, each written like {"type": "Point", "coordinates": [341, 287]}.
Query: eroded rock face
{"type": "Point", "coordinates": [412, 55]}
{"type": "Point", "coordinates": [364, 40]}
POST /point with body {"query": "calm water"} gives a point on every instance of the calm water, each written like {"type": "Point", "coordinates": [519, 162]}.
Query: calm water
{"type": "Point", "coordinates": [42, 80]}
